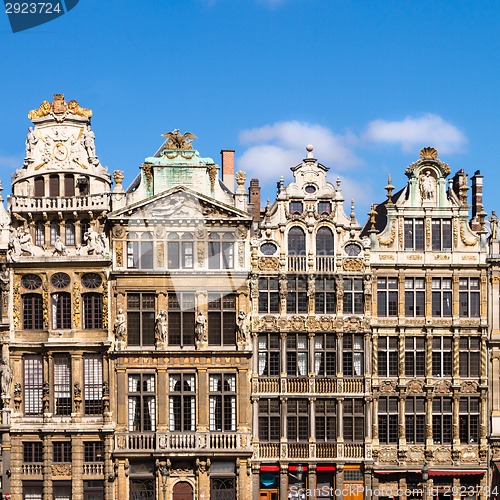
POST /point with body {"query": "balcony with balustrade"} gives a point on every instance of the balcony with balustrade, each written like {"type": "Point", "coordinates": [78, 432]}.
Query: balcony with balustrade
{"type": "Point", "coordinates": [308, 386]}
{"type": "Point", "coordinates": [311, 451]}
{"type": "Point", "coordinates": [188, 443]}
{"type": "Point", "coordinates": [74, 203]}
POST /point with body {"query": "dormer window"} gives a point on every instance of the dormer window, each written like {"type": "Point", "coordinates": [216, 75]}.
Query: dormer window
{"type": "Point", "coordinates": [310, 189]}
{"type": "Point", "coordinates": [296, 207]}
{"type": "Point", "coordinates": [324, 207]}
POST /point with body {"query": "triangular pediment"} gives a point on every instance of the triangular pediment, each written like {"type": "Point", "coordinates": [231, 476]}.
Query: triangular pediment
{"type": "Point", "coordinates": [180, 203]}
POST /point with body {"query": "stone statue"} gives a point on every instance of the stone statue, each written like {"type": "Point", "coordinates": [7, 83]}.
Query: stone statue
{"type": "Point", "coordinates": [88, 142]}
{"type": "Point", "coordinates": [6, 377]}
{"type": "Point", "coordinates": [120, 326]}
{"type": "Point", "coordinates": [20, 241]}
{"type": "Point", "coordinates": [178, 141]}
{"type": "Point", "coordinates": [242, 327]}
{"type": "Point", "coordinates": [494, 225]}
{"type": "Point", "coordinates": [426, 185]}
{"type": "Point", "coordinates": [59, 248]}
{"type": "Point", "coordinates": [201, 328]}
{"type": "Point", "coordinates": [4, 278]}
{"type": "Point", "coordinates": [31, 140]}
{"type": "Point", "coordinates": [97, 243]}
{"type": "Point", "coordinates": [161, 327]}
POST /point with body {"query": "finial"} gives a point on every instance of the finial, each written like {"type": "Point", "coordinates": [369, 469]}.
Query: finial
{"type": "Point", "coordinates": [353, 215]}
{"type": "Point", "coordinates": [389, 188]}
{"type": "Point", "coordinates": [338, 183]}
{"type": "Point", "coordinates": [268, 202]}
{"type": "Point", "coordinates": [428, 153]}
{"type": "Point", "coordinates": [309, 149]}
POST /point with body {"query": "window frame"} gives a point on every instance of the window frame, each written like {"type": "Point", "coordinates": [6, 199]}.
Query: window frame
{"type": "Point", "coordinates": [222, 402]}
{"type": "Point", "coordinates": [388, 420]}
{"type": "Point", "coordinates": [388, 356]}
{"type": "Point", "coordinates": [414, 234]}
{"type": "Point", "coordinates": [181, 319]}
{"type": "Point", "coordinates": [142, 414]}
{"type": "Point", "coordinates": [182, 402]}
{"type": "Point", "coordinates": [141, 314]}
{"type": "Point", "coordinates": [387, 296]}
{"type": "Point", "coordinates": [353, 296]}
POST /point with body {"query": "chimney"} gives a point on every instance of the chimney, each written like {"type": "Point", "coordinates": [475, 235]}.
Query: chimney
{"type": "Point", "coordinates": [254, 199]}
{"type": "Point", "coordinates": [460, 186]}
{"type": "Point", "coordinates": [477, 193]}
{"type": "Point", "coordinates": [228, 168]}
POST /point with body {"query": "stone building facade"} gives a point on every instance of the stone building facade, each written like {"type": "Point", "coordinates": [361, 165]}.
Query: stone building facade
{"type": "Point", "coordinates": [174, 340]}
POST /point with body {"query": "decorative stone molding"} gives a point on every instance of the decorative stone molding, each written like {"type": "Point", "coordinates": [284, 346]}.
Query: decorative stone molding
{"type": "Point", "coordinates": [269, 264]}
{"type": "Point", "coordinates": [468, 387]}
{"type": "Point", "coordinates": [415, 386]}
{"type": "Point", "coordinates": [392, 236]}
{"type": "Point", "coordinates": [353, 264]}
{"type": "Point", "coordinates": [442, 387]}
{"type": "Point", "coordinates": [388, 386]}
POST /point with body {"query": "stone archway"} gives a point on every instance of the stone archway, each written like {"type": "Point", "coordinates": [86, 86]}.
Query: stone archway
{"type": "Point", "coordinates": [182, 491]}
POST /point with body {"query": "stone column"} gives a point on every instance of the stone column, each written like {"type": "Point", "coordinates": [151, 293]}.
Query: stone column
{"type": "Point", "coordinates": [77, 467]}
{"type": "Point", "coordinates": [283, 353]}
{"type": "Point", "coordinates": [428, 354]}
{"type": "Point", "coordinates": [455, 421]}
{"type": "Point", "coordinates": [203, 404]}
{"type": "Point", "coordinates": [428, 419]}
{"type": "Point", "coordinates": [244, 480]}
{"type": "Point", "coordinates": [311, 363]}
{"type": "Point", "coordinates": [76, 372]}
{"type": "Point", "coordinates": [255, 482]}
{"type": "Point", "coordinates": [368, 483]}
{"type": "Point", "coordinates": [340, 364]}
{"type": "Point", "coordinates": [402, 419]}
{"type": "Point", "coordinates": [284, 481]}
{"type": "Point", "coordinates": [47, 467]}
{"type": "Point", "coordinates": [339, 482]}
{"type": "Point", "coordinates": [456, 355]}
{"type": "Point", "coordinates": [162, 400]}
{"type": "Point", "coordinates": [312, 478]}
{"type": "Point", "coordinates": [121, 398]}
{"type": "Point", "coordinates": [375, 419]}
{"type": "Point", "coordinates": [109, 469]}
{"type": "Point", "coordinates": [375, 354]}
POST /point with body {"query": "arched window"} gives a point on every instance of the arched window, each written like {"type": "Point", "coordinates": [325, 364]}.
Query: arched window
{"type": "Point", "coordinates": [70, 232]}
{"type": "Point", "coordinates": [54, 231]}
{"type": "Point", "coordinates": [32, 311]}
{"type": "Point", "coordinates": [39, 187]}
{"type": "Point", "coordinates": [69, 185]}
{"type": "Point", "coordinates": [296, 241]}
{"type": "Point", "coordinates": [61, 310]}
{"type": "Point", "coordinates": [39, 233]}
{"type": "Point", "coordinates": [182, 491]}
{"type": "Point", "coordinates": [324, 242]}
{"type": "Point", "coordinates": [54, 190]}
{"type": "Point", "coordinates": [92, 311]}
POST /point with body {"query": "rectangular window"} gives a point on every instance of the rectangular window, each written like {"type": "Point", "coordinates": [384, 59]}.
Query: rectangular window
{"type": "Point", "coordinates": [387, 296]}
{"type": "Point", "coordinates": [32, 311]}
{"type": "Point", "coordinates": [352, 354]}
{"type": "Point", "coordinates": [388, 420]}
{"type": "Point", "coordinates": [441, 235]}
{"type": "Point", "coordinates": [221, 319]}
{"type": "Point", "coordinates": [470, 351]}
{"type": "Point", "coordinates": [442, 356]}
{"type": "Point", "coordinates": [442, 420]}
{"type": "Point", "coordinates": [181, 319]}
{"type": "Point", "coordinates": [296, 207]}
{"type": "Point", "coordinates": [414, 234]}
{"type": "Point", "coordinates": [354, 420]}
{"type": "Point", "coordinates": [33, 384]}
{"type": "Point", "coordinates": [141, 402]}
{"type": "Point", "coordinates": [39, 233]}
{"type": "Point", "coordinates": [269, 354]}
{"type": "Point", "coordinates": [269, 301]}
{"type": "Point", "coordinates": [388, 356]}
{"type": "Point", "coordinates": [141, 319]}
{"type": "Point", "coordinates": [182, 402]}
{"type": "Point", "coordinates": [441, 297]}
{"type": "Point", "coordinates": [269, 419]}
{"type": "Point", "coordinates": [61, 311]}
{"type": "Point", "coordinates": [469, 420]}
{"type": "Point", "coordinates": [221, 253]}
{"type": "Point", "coordinates": [92, 311]}
{"type": "Point", "coordinates": [93, 451]}
{"type": "Point", "coordinates": [324, 207]}
{"type": "Point", "coordinates": [414, 297]}
{"type": "Point", "coordinates": [93, 490]}
{"type": "Point", "coordinates": [415, 420]}
{"type": "Point", "coordinates": [324, 296]}
{"type": "Point", "coordinates": [296, 299]}
{"type": "Point", "coordinates": [61, 452]}
{"type": "Point", "coordinates": [297, 353]}
{"type": "Point", "coordinates": [414, 356]}
{"type": "Point", "coordinates": [180, 251]}
{"type": "Point", "coordinates": [353, 301]}
{"type": "Point", "coordinates": [325, 411]}
{"type": "Point", "coordinates": [33, 452]}
{"type": "Point", "coordinates": [62, 384]}
{"type": "Point", "coordinates": [222, 400]}
{"type": "Point", "coordinates": [325, 354]}
{"type": "Point", "coordinates": [92, 390]}
{"type": "Point", "coordinates": [297, 419]}
{"type": "Point", "coordinates": [469, 297]}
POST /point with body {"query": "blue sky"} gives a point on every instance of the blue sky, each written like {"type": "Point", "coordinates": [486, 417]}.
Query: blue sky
{"type": "Point", "coordinates": [368, 83]}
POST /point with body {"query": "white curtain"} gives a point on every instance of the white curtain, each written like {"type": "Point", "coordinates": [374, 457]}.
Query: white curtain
{"type": "Point", "coordinates": [302, 363]}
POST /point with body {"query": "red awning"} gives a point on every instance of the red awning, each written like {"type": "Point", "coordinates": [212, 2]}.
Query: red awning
{"type": "Point", "coordinates": [399, 471]}
{"type": "Point", "coordinates": [454, 472]}
{"type": "Point", "coordinates": [269, 468]}
{"type": "Point", "coordinates": [294, 467]}
{"type": "Point", "coordinates": [323, 468]}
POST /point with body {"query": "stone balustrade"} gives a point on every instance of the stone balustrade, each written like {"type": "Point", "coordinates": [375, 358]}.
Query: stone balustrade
{"type": "Point", "coordinates": [326, 451]}
{"type": "Point", "coordinates": [306, 386]}
{"type": "Point", "coordinates": [89, 202]}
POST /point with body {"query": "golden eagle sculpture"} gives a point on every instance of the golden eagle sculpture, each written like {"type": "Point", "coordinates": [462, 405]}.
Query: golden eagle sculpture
{"type": "Point", "coordinates": [176, 140]}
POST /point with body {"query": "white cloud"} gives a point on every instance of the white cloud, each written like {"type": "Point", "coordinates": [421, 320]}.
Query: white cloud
{"type": "Point", "coordinates": [273, 149]}
{"type": "Point", "coordinates": [414, 133]}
